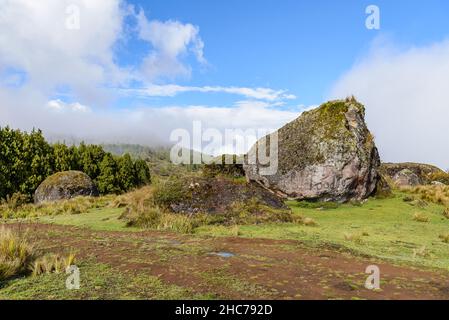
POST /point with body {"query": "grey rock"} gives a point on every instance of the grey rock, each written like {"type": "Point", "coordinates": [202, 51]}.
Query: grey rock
{"type": "Point", "coordinates": [327, 154]}
{"type": "Point", "coordinates": [406, 177]}
{"type": "Point", "coordinates": [65, 185]}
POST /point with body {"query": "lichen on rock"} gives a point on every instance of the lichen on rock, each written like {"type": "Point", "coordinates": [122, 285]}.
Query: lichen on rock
{"type": "Point", "coordinates": [406, 177]}
{"type": "Point", "coordinates": [327, 154]}
{"type": "Point", "coordinates": [426, 173]}
{"type": "Point", "coordinates": [65, 185]}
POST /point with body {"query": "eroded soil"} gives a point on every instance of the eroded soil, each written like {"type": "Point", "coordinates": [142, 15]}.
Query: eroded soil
{"type": "Point", "coordinates": [257, 268]}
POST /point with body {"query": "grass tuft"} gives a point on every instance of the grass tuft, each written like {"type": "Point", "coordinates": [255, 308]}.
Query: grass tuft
{"type": "Point", "coordinates": [51, 263]}
{"type": "Point", "coordinates": [421, 217]}
{"type": "Point", "coordinates": [16, 254]}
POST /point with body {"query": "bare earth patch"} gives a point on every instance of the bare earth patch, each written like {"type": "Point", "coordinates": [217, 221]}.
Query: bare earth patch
{"type": "Point", "coordinates": [256, 268]}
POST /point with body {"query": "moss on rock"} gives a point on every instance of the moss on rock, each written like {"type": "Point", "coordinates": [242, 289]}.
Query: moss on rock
{"type": "Point", "coordinates": [326, 154]}
{"type": "Point", "coordinates": [65, 185]}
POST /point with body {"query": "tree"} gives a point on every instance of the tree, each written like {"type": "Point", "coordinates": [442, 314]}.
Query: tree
{"type": "Point", "coordinates": [27, 159]}
{"type": "Point", "coordinates": [90, 157]}
{"type": "Point", "coordinates": [107, 180]}
{"type": "Point", "coordinates": [65, 158]}
{"type": "Point", "coordinates": [143, 176]}
{"type": "Point", "coordinates": [126, 174]}
{"type": "Point", "coordinates": [35, 160]}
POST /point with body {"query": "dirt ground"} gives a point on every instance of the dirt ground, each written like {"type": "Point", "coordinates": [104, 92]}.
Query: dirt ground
{"type": "Point", "coordinates": [253, 269]}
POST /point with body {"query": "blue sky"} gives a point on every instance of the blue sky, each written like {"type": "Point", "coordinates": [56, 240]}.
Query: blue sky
{"type": "Point", "coordinates": [134, 71]}
{"type": "Point", "coordinates": [300, 46]}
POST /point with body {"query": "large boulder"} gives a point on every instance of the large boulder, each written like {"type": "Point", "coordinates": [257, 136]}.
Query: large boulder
{"type": "Point", "coordinates": [327, 154]}
{"type": "Point", "coordinates": [65, 185]}
{"type": "Point", "coordinates": [406, 178]}
{"type": "Point", "coordinates": [426, 173]}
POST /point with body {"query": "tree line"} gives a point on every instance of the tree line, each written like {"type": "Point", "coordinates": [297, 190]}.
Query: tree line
{"type": "Point", "coordinates": [27, 159]}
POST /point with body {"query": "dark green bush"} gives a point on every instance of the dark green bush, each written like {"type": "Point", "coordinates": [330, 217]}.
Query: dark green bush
{"type": "Point", "coordinates": [171, 191]}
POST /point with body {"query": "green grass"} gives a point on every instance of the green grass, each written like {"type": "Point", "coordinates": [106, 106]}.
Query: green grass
{"type": "Point", "coordinates": [383, 228]}
{"type": "Point", "coordinates": [97, 281]}
{"type": "Point", "coordinates": [103, 219]}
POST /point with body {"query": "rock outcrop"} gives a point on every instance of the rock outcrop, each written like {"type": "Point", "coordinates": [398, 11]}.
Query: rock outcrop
{"type": "Point", "coordinates": [426, 173]}
{"type": "Point", "coordinates": [65, 185]}
{"type": "Point", "coordinates": [405, 178]}
{"type": "Point", "coordinates": [219, 195]}
{"type": "Point", "coordinates": [327, 154]}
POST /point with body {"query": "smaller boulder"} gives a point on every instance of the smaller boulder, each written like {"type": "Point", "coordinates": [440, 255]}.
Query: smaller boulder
{"type": "Point", "coordinates": [65, 185]}
{"type": "Point", "coordinates": [406, 178]}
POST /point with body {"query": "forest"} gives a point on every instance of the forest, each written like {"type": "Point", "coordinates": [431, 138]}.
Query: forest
{"type": "Point", "coordinates": [26, 159]}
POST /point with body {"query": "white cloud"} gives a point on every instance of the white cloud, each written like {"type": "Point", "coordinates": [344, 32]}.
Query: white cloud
{"type": "Point", "coordinates": [60, 106]}
{"type": "Point", "coordinates": [146, 125]}
{"type": "Point", "coordinates": [407, 98]}
{"type": "Point", "coordinates": [172, 90]}
{"type": "Point", "coordinates": [34, 39]}
{"type": "Point", "coordinates": [41, 59]}
{"type": "Point", "coordinates": [171, 40]}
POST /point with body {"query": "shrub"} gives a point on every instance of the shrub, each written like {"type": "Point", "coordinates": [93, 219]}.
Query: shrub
{"type": "Point", "coordinates": [16, 254]}
{"type": "Point", "coordinates": [442, 177]}
{"type": "Point", "coordinates": [15, 201]}
{"type": "Point", "coordinates": [170, 191]}
{"type": "Point", "coordinates": [146, 218]}
{"type": "Point", "coordinates": [155, 218]}
{"type": "Point", "coordinates": [254, 212]}
{"type": "Point", "coordinates": [420, 217]}
{"type": "Point", "coordinates": [231, 170]}
{"type": "Point", "coordinates": [176, 222]}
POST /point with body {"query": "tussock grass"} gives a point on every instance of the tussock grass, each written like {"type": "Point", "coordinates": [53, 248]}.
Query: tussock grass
{"type": "Point", "coordinates": [76, 205]}
{"type": "Point", "coordinates": [51, 263]}
{"type": "Point", "coordinates": [421, 217]}
{"type": "Point", "coordinates": [158, 219]}
{"type": "Point", "coordinates": [305, 221]}
{"type": "Point", "coordinates": [16, 254]}
{"type": "Point", "coordinates": [444, 237]}
{"type": "Point", "coordinates": [354, 237]}
{"type": "Point", "coordinates": [139, 197]}
{"type": "Point", "coordinates": [446, 213]}
{"type": "Point", "coordinates": [432, 193]}
{"type": "Point", "coordinates": [19, 257]}
{"type": "Point", "coordinates": [421, 252]}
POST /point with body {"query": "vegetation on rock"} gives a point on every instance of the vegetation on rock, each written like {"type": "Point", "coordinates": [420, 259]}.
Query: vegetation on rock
{"type": "Point", "coordinates": [425, 172]}
{"type": "Point", "coordinates": [326, 154]}
{"type": "Point", "coordinates": [65, 185]}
